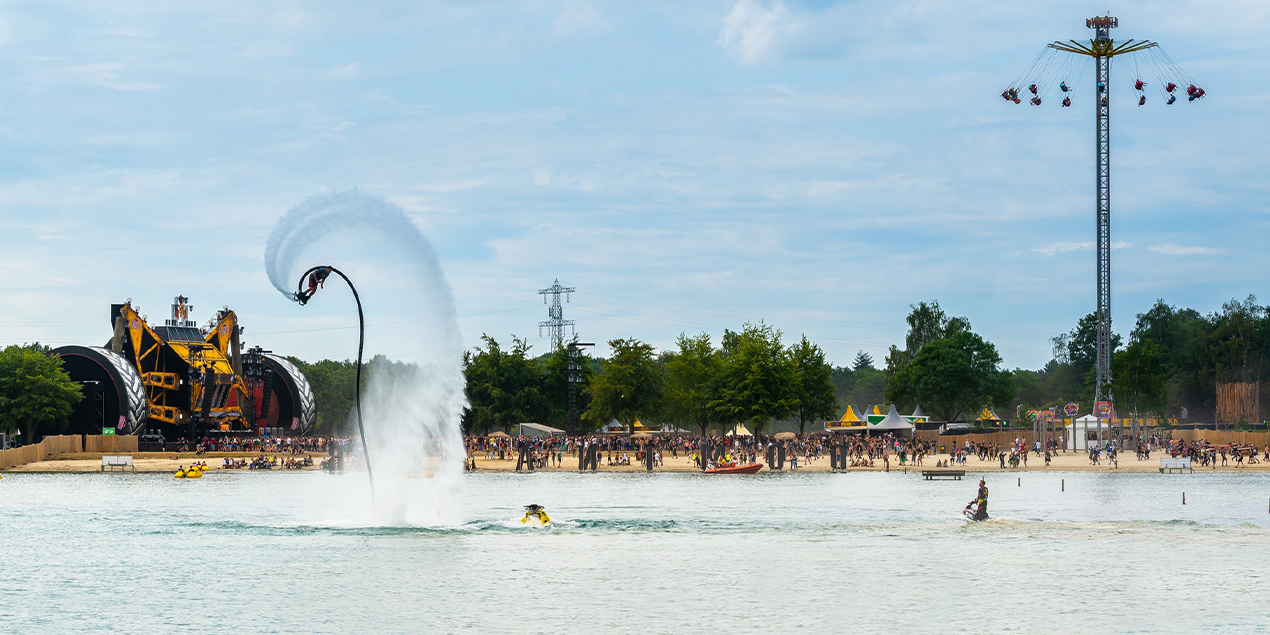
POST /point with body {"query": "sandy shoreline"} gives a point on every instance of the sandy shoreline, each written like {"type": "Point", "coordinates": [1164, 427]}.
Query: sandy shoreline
{"type": "Point", "coordinates": [158, 462]}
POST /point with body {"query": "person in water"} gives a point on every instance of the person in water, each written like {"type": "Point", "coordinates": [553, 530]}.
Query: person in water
{"type": "Point", "coordinates": [980, 503]}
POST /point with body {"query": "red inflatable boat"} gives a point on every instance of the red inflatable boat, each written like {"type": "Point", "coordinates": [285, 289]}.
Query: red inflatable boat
{"type": "Point", "coordinates": [737, 469]}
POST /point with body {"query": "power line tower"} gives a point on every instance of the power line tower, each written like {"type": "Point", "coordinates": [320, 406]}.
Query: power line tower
{"type": "Point", "coordinates": [555, 325]}
{"type": "Point", "coordinates": [1037, 78]}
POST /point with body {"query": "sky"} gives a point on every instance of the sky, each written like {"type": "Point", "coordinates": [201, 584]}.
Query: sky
{"type": "Point", "coordinates": [686, 166]}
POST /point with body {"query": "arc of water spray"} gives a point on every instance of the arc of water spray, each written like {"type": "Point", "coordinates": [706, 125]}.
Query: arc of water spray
{"type": "Point", "coordinates": [316, 277]}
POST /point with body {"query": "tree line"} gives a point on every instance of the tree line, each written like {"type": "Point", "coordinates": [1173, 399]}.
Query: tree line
{"type": "Point", "coordinates": [751, 377]}
{"type": "Point", "coordinates": [1169, 366]}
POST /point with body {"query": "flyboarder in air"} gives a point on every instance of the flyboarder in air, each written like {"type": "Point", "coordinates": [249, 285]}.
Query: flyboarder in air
{"type": "Point", "coordinates": [977, 509]}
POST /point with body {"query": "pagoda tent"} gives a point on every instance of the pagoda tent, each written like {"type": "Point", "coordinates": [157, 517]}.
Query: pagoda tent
{"type": "Point", "coordinates": [850, 420]}
{"type": "Point", "coordinates": [739, 431]}
{"type": "Point", "coordinates": [893, 422]}
{"type": "Point", "coordinates": [918, 415]}
{"type": "Point", "coordinates": [989, 416]}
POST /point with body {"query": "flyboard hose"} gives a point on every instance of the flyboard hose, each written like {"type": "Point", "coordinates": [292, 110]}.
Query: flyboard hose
{"type": "Point", "coordinates": [316, 277]}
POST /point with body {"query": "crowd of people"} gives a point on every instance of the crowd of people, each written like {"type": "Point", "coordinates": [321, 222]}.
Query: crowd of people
{"type": "Point", "coordinates": [1211, 455]}
{"type": "Point", "coordinates": [269, 445]}
{"type": "Point", "coordinates": [264, 462]}
{"type": "Point", "coordinates": [621, 450]}
{"type": "Point", "coordinates": [794, 451]}
{"type": "Point", "coordinates": [861, 451]}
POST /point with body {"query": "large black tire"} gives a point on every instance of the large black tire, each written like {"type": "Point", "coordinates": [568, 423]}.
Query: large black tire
{"type": "Point", "coordinates": [297, 404]}
{"type": "Point", "coordinates": [123, 393]}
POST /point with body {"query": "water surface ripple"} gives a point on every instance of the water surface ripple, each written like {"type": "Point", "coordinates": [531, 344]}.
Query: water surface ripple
{"type": "Point", "coordinates": [636, 553]}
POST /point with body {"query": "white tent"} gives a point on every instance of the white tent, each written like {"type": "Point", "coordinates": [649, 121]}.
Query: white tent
{"type": "Point", "coordinates": [893, 422]}
{"type": "Point", "coordinates": [740, 431]}
{"type": "Point", "coordinates": [539, 430]}
{"type": "Point", "coordinates": [1083, 433]}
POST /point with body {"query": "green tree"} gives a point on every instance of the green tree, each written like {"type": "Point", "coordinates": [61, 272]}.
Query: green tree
{"type": "Point", "coordinates": [813, 390]}
{"type": "Point", "coordinates": [869, 387]}
{"type": "Point", "coordinates": [692, 382]}
{"type": "Point", "coordinates": [952, 376]}
{"type": "Point", "coordinates": [1235, 344]}
{"type": "Point", "coordinates": [757, 381]}
{"type": "Point", "coordinates": [926, 323]}
{"type": "Point", "coordinates": [1138, 380]}
{"type": "Point", "coordinates": [555, 373]}
{"type": "Point", "coordinates": [1029, 389]}
{"type": "Point", "coordinates": [503, 387]}
{"type": "Point", "coordinates": [862, 361]}
{"type": "Point", "coordinates": [1082, 352]}
{"type": "Point", "coordinates": [333, 392]}
{"type": "Point", "coordinates": [36, 395]}
{"type": "Point", "coordinates": [629, 387]}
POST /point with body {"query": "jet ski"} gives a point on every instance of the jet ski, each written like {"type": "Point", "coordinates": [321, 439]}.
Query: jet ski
{"type": "Point", "coordinates": [535, 516]}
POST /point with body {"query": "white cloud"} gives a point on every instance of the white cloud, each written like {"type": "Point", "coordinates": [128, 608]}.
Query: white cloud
{"type": "Point", "coordinates": [1062, 248]}
{"type": "Point", "coordinates": [579, 17]}
{"type": "Point", "coordinates": [343, 71]}
{"type": "Point", "coordinates": [105, 75]}
{"type": "Point", "coordinates": [1180, 250]}
{"type": "Point", "coordinates": [344, 125]}
{"type": "Point", "coordinates": [752, 32]}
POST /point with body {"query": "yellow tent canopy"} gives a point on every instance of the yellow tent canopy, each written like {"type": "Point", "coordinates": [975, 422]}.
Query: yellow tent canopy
{"type": "Point", "coordinates": [877, 410]}
{"type": "Point", "coordinates": [988, 415]}
{"type": "Point", "coordinates": [850, 416]}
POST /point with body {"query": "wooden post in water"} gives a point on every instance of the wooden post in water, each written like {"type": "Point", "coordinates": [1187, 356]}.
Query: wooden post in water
{"type": "Point", "coordinates": [1063, 485]}
{"type": "Point", "coordinates": [1183, 498]}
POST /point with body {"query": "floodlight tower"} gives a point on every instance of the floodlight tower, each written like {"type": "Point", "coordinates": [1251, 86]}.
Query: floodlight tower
{"type": "Point", "coordinates": [1102, 48]}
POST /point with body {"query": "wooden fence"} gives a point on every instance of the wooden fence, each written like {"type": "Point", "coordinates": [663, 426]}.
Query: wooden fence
{"type": "Point", "coordinates": [1259, 439]}
{"type": "Point", "coordinates": [110, 444]}
{"type": "Point", "coordinates": [1005, 438]}
{"type": "Point", "coordinates": [66, 444]}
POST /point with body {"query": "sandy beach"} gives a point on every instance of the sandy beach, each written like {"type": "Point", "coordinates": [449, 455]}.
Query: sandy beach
{"type": "Point", "coordinates": [1070, 462]}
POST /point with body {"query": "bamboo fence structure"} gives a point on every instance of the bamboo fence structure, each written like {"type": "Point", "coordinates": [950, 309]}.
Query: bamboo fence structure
{"type": "Point", "coordinates": [66, 444]}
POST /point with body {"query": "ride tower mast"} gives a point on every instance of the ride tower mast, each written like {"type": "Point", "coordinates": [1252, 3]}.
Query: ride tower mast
{"type": "Point", "coordinates": [1036, 78]}
{"type": "Point", "coordinates": [1102, 48]}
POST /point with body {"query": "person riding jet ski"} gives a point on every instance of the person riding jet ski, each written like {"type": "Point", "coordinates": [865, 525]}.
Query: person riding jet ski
{"type": "Point", "coordinates": [977, 509]}
{"type": "Point", "coordinates": [535, 515]}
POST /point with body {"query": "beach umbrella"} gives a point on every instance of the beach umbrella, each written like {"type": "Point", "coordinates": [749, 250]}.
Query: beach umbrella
{"type": "Point", "coordinates": [785, 436]}
{"type": "Point", "coordinates": [498, 435]}
{"type": "Point", "coordinates": [642, 435]}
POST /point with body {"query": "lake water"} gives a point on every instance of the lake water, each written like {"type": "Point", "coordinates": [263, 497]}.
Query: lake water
{"type": "Point", "coordinates": [634, 553]}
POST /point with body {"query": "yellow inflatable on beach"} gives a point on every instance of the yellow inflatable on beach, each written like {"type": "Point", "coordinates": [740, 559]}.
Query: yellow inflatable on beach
{"type": "Point", "coordinates": [190, 473]}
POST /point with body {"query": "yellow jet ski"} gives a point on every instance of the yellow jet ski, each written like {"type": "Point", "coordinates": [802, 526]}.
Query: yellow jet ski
{"type": "Point", "coordinates": [193, 472]}
{"type": "Point", "coordinates": [535, 516]}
